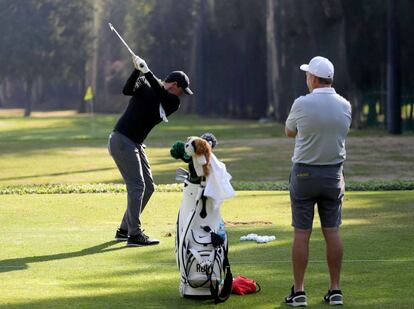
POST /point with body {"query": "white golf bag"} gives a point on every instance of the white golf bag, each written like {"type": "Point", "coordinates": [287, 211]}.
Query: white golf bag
{"type": "Point", "coordinates": [201, 247]}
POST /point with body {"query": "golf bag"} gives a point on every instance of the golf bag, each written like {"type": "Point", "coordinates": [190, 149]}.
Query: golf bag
{"type": "Point", "coordinates": [201, 247]}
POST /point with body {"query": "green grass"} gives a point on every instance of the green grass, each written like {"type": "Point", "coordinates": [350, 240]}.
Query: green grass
{"type": "Point", "coordinates": [75, 127]}
{"type": "Point", "coordinates": [73, 149]}
{"type": "Point", "coordinates": [57, 252]}
{"type": "Point", "coordinates": [70, 149]}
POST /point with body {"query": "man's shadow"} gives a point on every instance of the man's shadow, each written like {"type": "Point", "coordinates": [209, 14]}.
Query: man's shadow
{"type": "Point", "coordinates": [22, 263]}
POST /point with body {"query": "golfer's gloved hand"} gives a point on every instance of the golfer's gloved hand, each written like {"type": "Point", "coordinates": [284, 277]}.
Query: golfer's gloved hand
{"type": "Point", "coordinates": [140, 64]}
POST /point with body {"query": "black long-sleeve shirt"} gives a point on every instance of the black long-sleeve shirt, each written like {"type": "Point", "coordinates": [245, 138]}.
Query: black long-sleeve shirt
{"type": "Point", "coordinates": [142, 112]}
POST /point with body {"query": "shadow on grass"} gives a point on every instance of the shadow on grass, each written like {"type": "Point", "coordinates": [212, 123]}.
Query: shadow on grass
{"type": "Point", "coordinates": [60, 174]}
{"type": "Point", "coordinates": [26, 148]}
{"type": "Point", "coordinates": [180, 128]}
{"type": "Point", "coordinates": [22, 263]}
{"type": "Point", "coordinates": [162, 295]}
{"type": "Point", "coordinates": [267, 263]}
{"type": "Point", "coordinates": [145, 285]}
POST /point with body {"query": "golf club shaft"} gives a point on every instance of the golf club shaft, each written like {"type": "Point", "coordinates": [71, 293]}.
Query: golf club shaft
{"type": "Point", "coordinates": [126, 45]}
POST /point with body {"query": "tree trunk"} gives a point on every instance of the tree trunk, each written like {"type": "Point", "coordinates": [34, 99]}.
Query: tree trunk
{"type": "Point", "coordinates": [28, 104]}
{"type": "Point", "coordinates": [356, 99]}
{"type": "Point", "coordinates": [2, 93]}
{"type": "Point", "coordinates": [393, 72]}
{"type": "Point", "coordinates": [94, 67]}
{"type": "Point", "coordinates": [271, 59]}
{"type": "Point", "coordinates": [199, 59]}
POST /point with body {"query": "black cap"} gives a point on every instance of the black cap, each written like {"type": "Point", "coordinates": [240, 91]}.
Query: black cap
{"type": "Point", "coordinates": [181, 79]}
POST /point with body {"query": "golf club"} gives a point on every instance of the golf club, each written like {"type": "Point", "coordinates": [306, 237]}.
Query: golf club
{"type": "Point", "coordinates": [129, 49]}
{"type": "Point", "coordinates": [181, 175]}
{"type": "Point", "coordinates": [181, 171]}
{"type": "Point", "coordinates": [126, 45]}
{"type": "Point", "coordinates": [181, 178]}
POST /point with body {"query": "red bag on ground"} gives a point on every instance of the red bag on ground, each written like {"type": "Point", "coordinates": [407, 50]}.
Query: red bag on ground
{"type": "Point", "coordinates": [242, 286]}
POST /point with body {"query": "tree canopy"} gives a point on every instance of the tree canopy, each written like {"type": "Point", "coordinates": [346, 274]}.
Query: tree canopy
{"type": "Point", "coordinates": [242, 56]}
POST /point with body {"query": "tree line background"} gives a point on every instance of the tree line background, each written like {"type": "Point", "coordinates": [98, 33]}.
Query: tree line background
{"type": "Point", "coordinates": [242, 56]}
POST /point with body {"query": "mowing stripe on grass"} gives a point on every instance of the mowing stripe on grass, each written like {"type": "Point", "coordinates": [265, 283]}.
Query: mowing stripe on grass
{"type": "Point", "coordinates": [324, 261]}
{"type": "Point", "coordinates": [236, 263]}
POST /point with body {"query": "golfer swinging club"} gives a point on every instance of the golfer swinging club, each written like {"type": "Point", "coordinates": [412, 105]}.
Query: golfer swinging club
{"type": "Point", "coordinates": [152, 101]}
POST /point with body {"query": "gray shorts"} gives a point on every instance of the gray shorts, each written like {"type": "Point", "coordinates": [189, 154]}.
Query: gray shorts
{"type": "Point", "coordinates": [321, 185]}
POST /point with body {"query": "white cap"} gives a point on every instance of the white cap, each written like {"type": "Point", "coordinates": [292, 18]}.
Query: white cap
{"type": "Point", "coordinates": [320, 67]}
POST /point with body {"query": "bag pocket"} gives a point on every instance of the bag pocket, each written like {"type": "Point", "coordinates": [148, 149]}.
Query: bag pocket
{"type": "Point", "coordinates": [201, 271]}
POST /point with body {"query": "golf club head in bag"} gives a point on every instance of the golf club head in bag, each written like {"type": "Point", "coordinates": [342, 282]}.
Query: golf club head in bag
{"type": "Point", "coordinates": [181, 174]}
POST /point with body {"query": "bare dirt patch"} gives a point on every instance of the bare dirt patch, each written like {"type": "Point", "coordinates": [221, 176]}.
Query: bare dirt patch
{"type": "Point", "coordinates": [244, 223]}
{"type": "Point", "coordinates": [277, 141]}
{"type": "Point", "coordinates": [380, 158]}
{"type": "Point", "coordinates": [67, 113]}
{"type": "Point", "coordinates": [45, 114]}
{"type": "Point", "coordinates": [368, 158]}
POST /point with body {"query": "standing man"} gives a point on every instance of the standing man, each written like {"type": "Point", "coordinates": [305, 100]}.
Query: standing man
{"type": "Point", "coordinates": [320, 122]}
{"type": "Point", "coordinates": [151, 102]}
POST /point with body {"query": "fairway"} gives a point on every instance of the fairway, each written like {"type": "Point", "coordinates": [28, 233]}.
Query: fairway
{"type": "Point", "coordinates": [67, 148]}
{"type": "Point", "coordinates": [58, 252]}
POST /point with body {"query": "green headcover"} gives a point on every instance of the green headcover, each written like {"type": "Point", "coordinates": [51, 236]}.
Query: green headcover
{"type": "Point", "coordinates": [177, 151]}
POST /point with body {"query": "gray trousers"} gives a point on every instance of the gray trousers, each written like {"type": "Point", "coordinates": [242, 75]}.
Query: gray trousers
{"type": "Point", "coordinates": [132, 162]}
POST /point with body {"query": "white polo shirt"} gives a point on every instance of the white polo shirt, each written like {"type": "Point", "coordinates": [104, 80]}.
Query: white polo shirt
{"type": "Point", "coordinates": [322, 120]}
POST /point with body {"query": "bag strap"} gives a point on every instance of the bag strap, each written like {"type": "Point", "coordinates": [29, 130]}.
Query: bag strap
{"type": "Point", "coordinates": [221, 293]}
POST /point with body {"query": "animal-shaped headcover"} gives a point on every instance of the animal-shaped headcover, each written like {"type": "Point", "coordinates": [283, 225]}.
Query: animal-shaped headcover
{"type": "Point", "coordinates": [200, 151]}
{"type": "Point", "coordinates": [210, 138]}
